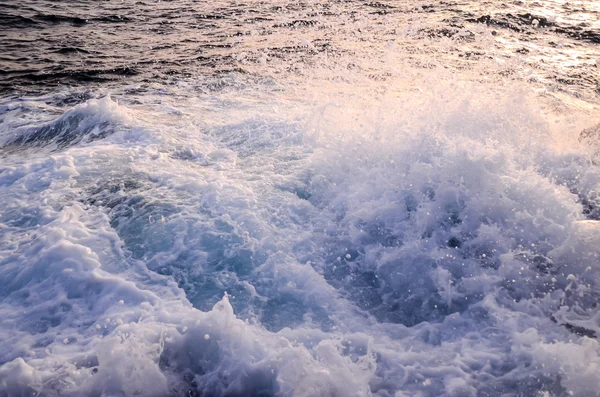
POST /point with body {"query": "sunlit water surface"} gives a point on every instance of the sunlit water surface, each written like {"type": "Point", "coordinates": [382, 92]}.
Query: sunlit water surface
{"type": "Point", "coordinates": [299, 198]}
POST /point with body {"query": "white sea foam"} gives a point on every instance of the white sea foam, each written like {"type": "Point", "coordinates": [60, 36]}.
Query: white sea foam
{"type": "Point", "coordinates": [410, 247]}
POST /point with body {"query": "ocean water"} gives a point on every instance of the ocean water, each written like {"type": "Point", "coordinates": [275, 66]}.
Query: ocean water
{"type": "Point", "coordinates": [299, 198]}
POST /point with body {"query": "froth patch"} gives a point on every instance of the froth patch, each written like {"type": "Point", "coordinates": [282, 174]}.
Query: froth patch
{"type": "Point", "coordinates": [93, 120]}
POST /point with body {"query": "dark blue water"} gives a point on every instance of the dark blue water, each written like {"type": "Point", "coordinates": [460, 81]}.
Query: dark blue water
{"type": "Point", "coordinates": [50, 44]}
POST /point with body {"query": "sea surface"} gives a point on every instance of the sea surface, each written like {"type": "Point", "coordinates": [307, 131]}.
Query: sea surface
{"type": "Point", "coordinates": [299, 198]}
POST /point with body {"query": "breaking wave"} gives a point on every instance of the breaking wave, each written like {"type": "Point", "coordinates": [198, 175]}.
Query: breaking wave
{"type": "Point", "coordinates": [220, 248]}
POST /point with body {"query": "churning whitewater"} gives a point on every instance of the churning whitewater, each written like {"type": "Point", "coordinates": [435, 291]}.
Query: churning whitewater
{"type": "Point", "coordinates": [342, 202]}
